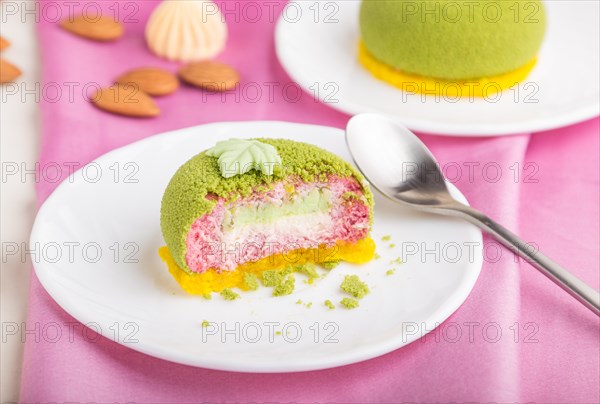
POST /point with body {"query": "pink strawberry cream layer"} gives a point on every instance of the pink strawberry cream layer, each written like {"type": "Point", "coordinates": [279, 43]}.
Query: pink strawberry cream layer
{"type": "Point", "coordinates": [290, 216]}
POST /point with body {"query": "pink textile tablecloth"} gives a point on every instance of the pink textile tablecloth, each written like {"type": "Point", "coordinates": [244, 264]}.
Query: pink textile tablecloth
{"type": "Point", "coordinates": [554, 355]}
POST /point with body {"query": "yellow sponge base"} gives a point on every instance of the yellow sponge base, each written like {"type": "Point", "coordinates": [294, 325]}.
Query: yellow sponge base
{"type": "Point", "coordinates": [412, 83]}
{"type": "Point", "coordinates": [212, 281]}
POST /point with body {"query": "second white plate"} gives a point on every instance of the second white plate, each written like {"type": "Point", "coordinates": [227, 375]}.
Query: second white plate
{"type": "Point", "coordinates": [317, 44]}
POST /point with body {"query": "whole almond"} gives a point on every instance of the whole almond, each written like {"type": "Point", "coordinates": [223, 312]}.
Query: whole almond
{"type": "Point", "coordinates": [8, 72]}
{"type": "Point", "coordinates": [151, 80]}
{"type": "Point", "coordinates": [100, 29]}
{"type": "Point", "coordinates": [213, 76]}
{"type": "Point", "coordinates": [125, 100]}
{"type": "Point", "coordinates": [3, 43]}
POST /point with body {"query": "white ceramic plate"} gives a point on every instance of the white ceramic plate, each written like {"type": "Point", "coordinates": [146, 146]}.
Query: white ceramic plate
{"type": "Point", "coordinates": [128, 295]}
{"type": "Point", "coordinates": [317, 44]}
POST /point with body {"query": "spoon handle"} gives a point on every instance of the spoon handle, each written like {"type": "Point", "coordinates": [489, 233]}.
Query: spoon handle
{"type": "Point", "coordinates": [574, 286]}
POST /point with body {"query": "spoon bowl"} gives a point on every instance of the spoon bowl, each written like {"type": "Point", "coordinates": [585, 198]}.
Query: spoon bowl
{"type": "Point", "coordinates": [400, 166]}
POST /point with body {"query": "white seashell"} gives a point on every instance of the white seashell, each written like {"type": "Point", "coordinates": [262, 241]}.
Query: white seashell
{"type": "Point", "coordinates": [186, 30]}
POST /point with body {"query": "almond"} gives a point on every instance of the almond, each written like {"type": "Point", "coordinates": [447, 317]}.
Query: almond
{"type": "Point", "coordinates": [151, 80]}
{"type": "Point", "coordinates": [125, 100]}
{"type": "Point", "coordinates": [3, 43]}
{"type": "Point", "coordinates": [213, 76]}
{"type": "Point", "coordinates": [100, 29]}
{"type": "Point", "coordinates": [8, 72]}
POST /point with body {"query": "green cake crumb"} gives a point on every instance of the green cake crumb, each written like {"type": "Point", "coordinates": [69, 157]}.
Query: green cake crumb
{"type": "Point", "coordinates": [396, 261]}
{"type": "Point", "coordinates": [282, 281]}
{"type": "Point", "coordinates": [377, 256]}
{"type": "Point", "coordinates": [229, 294]}
{"type": "Point", "coordinates": [274, 277]}
{"type": "Point", "coordinates": [286, 287]}
{"type": "Point", "coordinates": [270, 278]}
{"type": "Point", "coordinates": [386, 238]}
{"type": "Point", "coordinates": [308, 305]}
{"type": "Point", "coordinates": [329, 265]}
{"type": "Point", "coordinates": [205, 324]}
{"type": "Point", "coordinates": [354, 286]}
{"type": "Point", "coordinates": [309, 269]}
{"type": "Point", "coordinates": [390, 272]}
{"type": "Point", "coordinates": [392, 245]}
{"type": "Point", "coordinates": [298, 301]}
{"type": "Point", "coordinates": [207, 296]}
{"type": "Point", "coordinates": [277, 332]}
{"type": "Point", "coordinates": [329, 304]}
{"type": "Point", "coordinates": [251, 281]}
{"type": "Point", "coordinates": [349, 303]}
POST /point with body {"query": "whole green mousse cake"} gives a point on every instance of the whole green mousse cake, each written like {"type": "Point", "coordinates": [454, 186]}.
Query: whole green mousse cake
{"type": "Point", "coordinates": [244, 201]}
{"type": "Point", "coordinates": [453, 40]}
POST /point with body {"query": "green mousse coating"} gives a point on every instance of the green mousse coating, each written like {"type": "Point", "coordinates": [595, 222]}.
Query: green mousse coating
{"type": "Point", "coordinates": [185, 198]}
{"type": "Point", "coordinates": [453, 40]}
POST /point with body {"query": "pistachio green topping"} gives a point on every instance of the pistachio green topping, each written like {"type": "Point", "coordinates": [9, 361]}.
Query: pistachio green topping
{"type": "Point", "coordinates": [298, 301]}
{"type": "Point", "coordinates": [390, 272]}
{"type": "Point", "coordinates": [286, 287]}
{"type": "Point", "coordinates": [192, 190]}
{"type": "Point", "coordinates": [329, 265]}
{"type": "Point", "coordinates": [205, 324]}
{"type": "Point", "coordinates": [349, 303]}
{"type": "Point", "coordinates": [354, 286]}
{"type": "Point", "coordinates": [392, 245]}
{"type": "Point", "coordinates": [250, 281]}
{"type": "Point", "coordinates": [277, 332]}
{"type": "Point", "coordinates": [309, 305]}
{"type": "Point", "coordinates": [238, 156]}
{"type": "Point", "coordinates": [386, 238]}
{"type": "Point", "coordinates": [207, 296]}
{"type": "Point", "coordinates": [229, 294]}
{"type": "Point", "coordinates": [329, 304]}
{"type": "Point", "coordinates": [396, 261]}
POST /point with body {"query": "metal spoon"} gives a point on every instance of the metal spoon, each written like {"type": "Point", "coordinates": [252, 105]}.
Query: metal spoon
{"type": "Point", "coordinates": [401, 167]}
